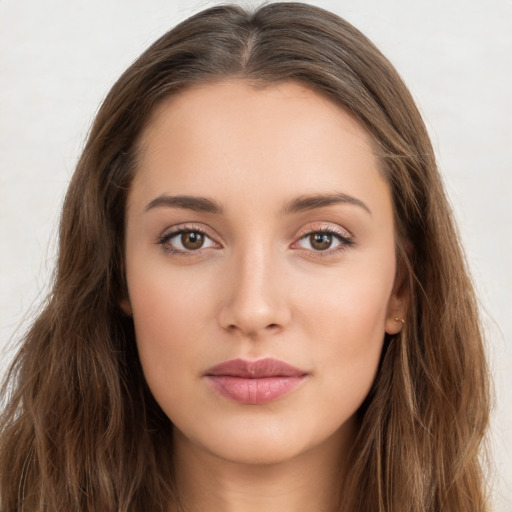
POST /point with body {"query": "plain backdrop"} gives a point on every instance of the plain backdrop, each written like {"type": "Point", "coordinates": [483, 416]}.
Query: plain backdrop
{"type": "Point", "coordinates": [58, 59]}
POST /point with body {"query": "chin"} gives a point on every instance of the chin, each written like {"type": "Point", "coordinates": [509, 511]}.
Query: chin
{"type": "Point", "coordinates": [256, 450]}
{"type": "Point", "coordinates": [260, 442]}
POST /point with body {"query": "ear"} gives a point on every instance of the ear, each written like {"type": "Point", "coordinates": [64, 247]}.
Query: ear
{"type": "Point", "coordinates": [124, 303]}
{"type": "Point", "coordinates": [126, 306]}
{"type": "Point", "coordinates": [397, 305]}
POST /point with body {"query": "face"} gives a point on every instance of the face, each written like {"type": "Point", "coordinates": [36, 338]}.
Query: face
{"type": "Point", "coordinates": [260, 265]}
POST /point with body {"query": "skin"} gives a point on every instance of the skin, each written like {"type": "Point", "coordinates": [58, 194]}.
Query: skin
{"type": "Point", "coordinates": [259, 287]}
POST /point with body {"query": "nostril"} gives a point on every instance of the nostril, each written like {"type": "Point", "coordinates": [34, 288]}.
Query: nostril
{"type": "Point", "coordinates": [250, 317]}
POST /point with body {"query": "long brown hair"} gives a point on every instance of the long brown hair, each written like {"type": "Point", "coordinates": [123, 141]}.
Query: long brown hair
{"type": "Point", "coordinates": [80, 430]}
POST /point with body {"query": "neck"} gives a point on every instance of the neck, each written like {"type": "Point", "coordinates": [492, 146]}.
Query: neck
{"type": "Point", "coordinates": [312, 480]}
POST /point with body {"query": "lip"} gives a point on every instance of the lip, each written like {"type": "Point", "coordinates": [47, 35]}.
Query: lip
{"type": "Point", "coordinates": [254, 382]}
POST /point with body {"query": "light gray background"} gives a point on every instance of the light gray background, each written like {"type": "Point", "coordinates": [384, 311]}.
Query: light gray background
{"type": "Point", "coordinates": [58, 58]}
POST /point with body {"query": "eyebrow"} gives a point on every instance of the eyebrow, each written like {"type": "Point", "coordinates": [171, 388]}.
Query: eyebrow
{"type": "Point", "coordinates": [197, 204]}
{"type": "Point", "coordinates": [313, 201]}
{"type": "Point", "coordinates": [299, 204]}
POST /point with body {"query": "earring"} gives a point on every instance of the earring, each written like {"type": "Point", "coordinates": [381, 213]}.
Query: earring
{"type": "Point", "coordinates": [399, 320]}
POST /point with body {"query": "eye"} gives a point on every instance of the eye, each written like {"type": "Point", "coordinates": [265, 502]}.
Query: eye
{"type": "Point", "coordinates": [186, 241]}
{"type": "Point", "coordinates": [320, 241]}
{"type": "Point", "coordinates": [325, 240]}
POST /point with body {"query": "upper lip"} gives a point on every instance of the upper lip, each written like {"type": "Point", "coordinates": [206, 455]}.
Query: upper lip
{"type": "Point", "coordinates": [257, 369]}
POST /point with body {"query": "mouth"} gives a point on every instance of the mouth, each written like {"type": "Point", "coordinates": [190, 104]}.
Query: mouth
{"type": "Point", "coordinates": [254, 382]}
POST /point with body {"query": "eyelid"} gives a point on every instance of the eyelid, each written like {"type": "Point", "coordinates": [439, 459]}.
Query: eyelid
{"type": "Point", "coordinates": [173, 231]}
{"type": "Point", "coordinates": [345, 238]}
{"type": "Point", "coordinates": [324, 227]}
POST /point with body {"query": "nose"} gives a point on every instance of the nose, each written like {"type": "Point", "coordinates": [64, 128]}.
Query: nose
{"type": "Point", "coordinates": [254, 294]}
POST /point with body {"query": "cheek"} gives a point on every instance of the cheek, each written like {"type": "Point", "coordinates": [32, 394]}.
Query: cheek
{"type": "Point", "coordinates": [346, 318]}
{"type": "Point", "coordinates": [169, 316]}
{"type": "Point", "coordinates": [350, 306]}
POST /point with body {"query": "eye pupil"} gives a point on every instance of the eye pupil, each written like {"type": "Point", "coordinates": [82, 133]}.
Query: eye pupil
{"type": "Point", "coordinates": [192, 239]}
{"type": "Point", "coordinates": [320, 241]}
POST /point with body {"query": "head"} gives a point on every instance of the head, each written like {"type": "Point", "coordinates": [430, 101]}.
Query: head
{"type": "Point", "coordinates": [425, 406]}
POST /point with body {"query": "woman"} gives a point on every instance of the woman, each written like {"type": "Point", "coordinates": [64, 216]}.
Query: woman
{"type": "Point", "coordinates": [260, 300]}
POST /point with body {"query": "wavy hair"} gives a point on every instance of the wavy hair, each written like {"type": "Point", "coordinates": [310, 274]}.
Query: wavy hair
{"type": "Point", "coordinates": [80, 430]}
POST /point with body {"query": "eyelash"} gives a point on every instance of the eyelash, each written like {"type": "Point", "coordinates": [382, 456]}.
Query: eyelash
{"type": "Point", "coordinates": [164, 240]}
{"type": "Point", "coordinates": [344, 241]}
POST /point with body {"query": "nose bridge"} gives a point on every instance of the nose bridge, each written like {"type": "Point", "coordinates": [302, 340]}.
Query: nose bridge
{"type": "Point", "coordinates": [255, 300]}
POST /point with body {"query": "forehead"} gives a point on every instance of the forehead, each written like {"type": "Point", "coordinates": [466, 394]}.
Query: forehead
{"type": "Point", "coordinates": [282, 138]}
{"type": "Point", "coordinates": [225, 103]}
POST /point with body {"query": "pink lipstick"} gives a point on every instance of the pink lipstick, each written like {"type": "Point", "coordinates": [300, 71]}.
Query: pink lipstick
{"type": "Point", "coordinates": [254, 382]}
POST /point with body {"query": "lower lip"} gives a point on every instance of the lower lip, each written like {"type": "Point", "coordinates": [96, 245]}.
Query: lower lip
{"type": "Point", "coordinates": [254, 391]}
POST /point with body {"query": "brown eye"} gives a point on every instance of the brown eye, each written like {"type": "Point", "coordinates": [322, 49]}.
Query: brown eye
{"type": "Point", "coordinates": [185, 241]}
{"type": "Point", "coordinates": [320, 241]}
{"type": "Point", "coordinates": [324, 241]}
{"type": "Point", "coordinates": [192, 240]}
